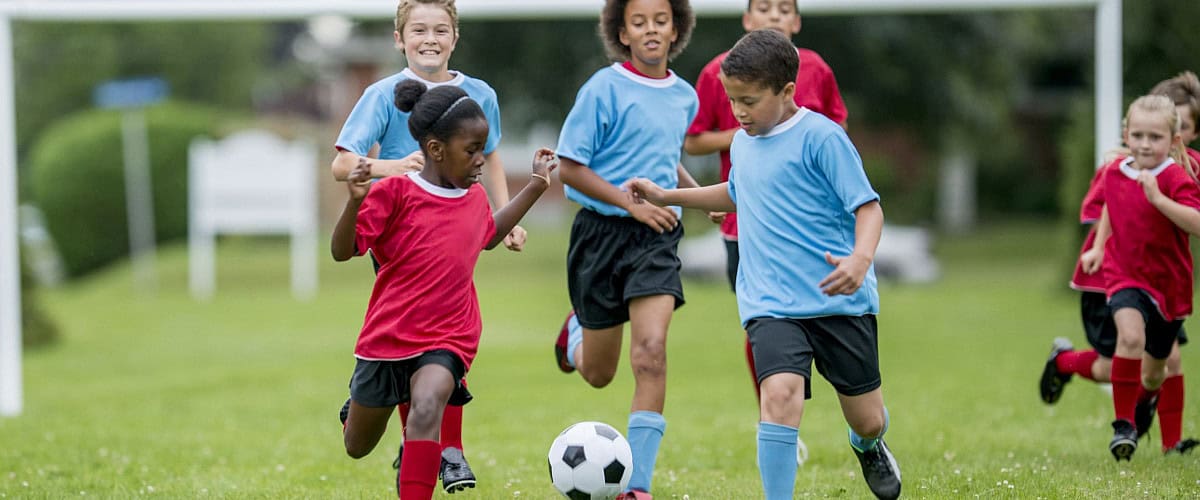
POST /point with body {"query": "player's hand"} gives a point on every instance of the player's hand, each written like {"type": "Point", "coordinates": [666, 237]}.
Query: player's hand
{"type": "Point", "coordinates": [515, 241]}
{"type": "Point", "coordinates": [644, 190]}
{"type": "Point", "coordinates": [544, 162]}
{"type": "Point", "coordinates": [1149, 185]}
{"type": "Point", "coordinates": [659, 219]}
{"type": "Point", "coordinates": [1091, 260]}
{"type": "Point", "coordinates": [359, 180]}
{"type": "Point", "coordinates": [847, 275]}
{"type": "Point", "coordinates": [717, 217]}
{"type": "Point", "coordinates": [414, 162]}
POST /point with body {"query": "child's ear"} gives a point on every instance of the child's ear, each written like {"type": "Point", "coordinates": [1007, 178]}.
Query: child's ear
{"type": "Point", "coordinates": [435, 149]}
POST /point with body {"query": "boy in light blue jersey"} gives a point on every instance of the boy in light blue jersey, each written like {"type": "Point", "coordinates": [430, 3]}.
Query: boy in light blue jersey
{"type": "Point", "coordinates": [628, 120]}
{"type": "Point", "coordinates": [808, 226]}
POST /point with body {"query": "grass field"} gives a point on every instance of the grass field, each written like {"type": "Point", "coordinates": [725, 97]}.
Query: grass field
{"type": "Point", "coordinates": [161, 396]}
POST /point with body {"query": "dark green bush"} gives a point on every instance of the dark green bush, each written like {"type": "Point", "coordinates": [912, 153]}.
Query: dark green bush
{"type": "Point", "coordinates": [78, 181]}
{"type": "Point", "coordinates": [37, 329]}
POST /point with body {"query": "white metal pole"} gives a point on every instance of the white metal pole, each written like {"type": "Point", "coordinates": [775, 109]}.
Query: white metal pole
{"type": "Point", "coordinates": [10, 270]}
{"type": "Point", "coordinates": [1108, 77]}
{"type": "Point", "coordinates": [139, 199]}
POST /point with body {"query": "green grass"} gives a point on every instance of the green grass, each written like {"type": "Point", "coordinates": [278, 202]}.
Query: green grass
{"type": "Point", "coordinates": [161, 396]}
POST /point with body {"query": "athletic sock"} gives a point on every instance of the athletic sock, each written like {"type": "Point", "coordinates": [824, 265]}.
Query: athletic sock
{"type": "Point", "coordinates": [862, 443]}
{"type": "Point", "coordinates": [1077, 363]}
{"type": "Point", "coordinates": [419, 468]}
{"type": "Point", "coordinates": [777, 459]}
{"type": "Point", "coordinates": [452, 420]}
{"type": "Point", "coordinates": [1170, 411]}
{"type": "Point", "coordinates": [753, 370]}
{"type": "Point", "coordinates": [645, 433]}
{"type": "Point", "coordinates": [574, 338]}
{"type": "Point", "coordinates": [1126, 384]}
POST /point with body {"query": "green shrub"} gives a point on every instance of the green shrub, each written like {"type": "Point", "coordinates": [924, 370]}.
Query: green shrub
{"type": "Point", "coordinates": [77, 175]}
{"type": "Point", "coordinates": [37, 329]}
{"type": "Point", "coordinates": [1077, 156]}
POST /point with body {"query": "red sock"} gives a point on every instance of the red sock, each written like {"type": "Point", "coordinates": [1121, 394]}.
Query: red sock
{"type": "Point", "coordinates": [402, 409]}
{"type": "Point", "coordinates": [750, 363]}
{"type": "Point", "coordinates": [1077, 363]}
{"type": "Point", "coordinates": [1170, 411]}
{"type": "Point", "coordinates": [419, 468]}
{"type": "Point", "coordinates": [1126, 383]}
{"type": "Point", "coordinates": [452, 420]}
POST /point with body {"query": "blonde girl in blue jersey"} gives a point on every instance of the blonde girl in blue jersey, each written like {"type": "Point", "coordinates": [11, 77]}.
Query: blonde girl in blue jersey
{"type": "Point", "coordinates": [628, 120]}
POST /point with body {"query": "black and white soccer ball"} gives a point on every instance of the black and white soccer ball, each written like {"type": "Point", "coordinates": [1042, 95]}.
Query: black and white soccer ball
{"type": "Point", "coordinates": [590, 461]}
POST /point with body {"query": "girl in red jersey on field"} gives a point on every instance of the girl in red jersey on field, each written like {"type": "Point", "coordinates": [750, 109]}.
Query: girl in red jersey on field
{"type": "Point", "coordinates": [1152, 204]}
{"type": "Point", "coordinates": [426, 229]}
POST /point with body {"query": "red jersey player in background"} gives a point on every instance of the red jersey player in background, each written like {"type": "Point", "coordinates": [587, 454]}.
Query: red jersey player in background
{"type": "Point", "coordinates": [426, 229]}
{"type": "Point", "coordinates": [1152, 204]}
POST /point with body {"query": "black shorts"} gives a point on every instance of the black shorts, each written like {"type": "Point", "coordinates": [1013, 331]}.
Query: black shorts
{"type": "Point", "coordinates": [380, 384]}
{"type": "Point", "coordinates": [1098, 323]}
{"type": "Point", "coordinates": [1160, 333]}
{"type": "Point", "coordinates": [731, 263]}
{"type": "Point", "coordinates": [612, 260]}
{"type": "Point", "coordinates": [845, 348]}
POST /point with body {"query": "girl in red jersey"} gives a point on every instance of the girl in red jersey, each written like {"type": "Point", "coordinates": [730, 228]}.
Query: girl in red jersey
{"type": "Point", "coordinates": [426, 229]}
{"type": "Point", "coordinates": [1152, 204]}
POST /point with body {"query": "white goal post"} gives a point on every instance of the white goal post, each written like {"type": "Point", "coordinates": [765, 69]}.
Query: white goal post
{"type": "Point", "coordinates": [1108, 82]}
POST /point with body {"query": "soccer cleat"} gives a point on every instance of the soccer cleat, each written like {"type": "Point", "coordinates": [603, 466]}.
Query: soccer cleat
{"type": "Point", "coordinates": [456, 475]}
{"type": "Point", "coordinates": [1143, 415]}
{"type": "Point", "coordinates": [560, 345]}
{"type": "Point", "coordinates": [1182, 447]}
{"type": "Point", "coordinates": [880, 470]}
{"type": "Point", "coordinates": [1124, 441]}
{"type": "Point", "coordinates": [634, 495]}
{"type": "Point", "coordinates": [1052, 382]}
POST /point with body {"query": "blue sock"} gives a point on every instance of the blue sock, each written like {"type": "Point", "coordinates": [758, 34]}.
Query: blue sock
{"type": "Point", "coordinates": [863, 444]}
{"type": "Point", "coordinates": [645, 432]}
{"type": "Point", "coordinates": [777, 459]}
{"type": "Point", "coordinates": [574, 338]}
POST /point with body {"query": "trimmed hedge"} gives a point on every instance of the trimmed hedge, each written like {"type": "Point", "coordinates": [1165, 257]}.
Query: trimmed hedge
{"type": "Point", "coordinates": [77, 175]}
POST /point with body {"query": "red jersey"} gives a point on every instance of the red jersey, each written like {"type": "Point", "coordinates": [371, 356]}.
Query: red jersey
{"type": "Point", "coordinates": [1089, 212]}
{"type": "Point", "coordinates": [816, 89]}
{"type": "Point", "coordinates": [1146, 250]}
{"type": "Point", "coordinates": [427, 240]}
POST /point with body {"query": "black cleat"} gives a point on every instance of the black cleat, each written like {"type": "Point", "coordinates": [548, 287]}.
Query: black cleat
{"type": "Point", "coordinates": [456, 475]}
{"type": "Point", "coordinates": [1124, 441]}
{"type": "Point", "coordinates": [1051, 385]}
{"type": "Point", "coordinates": [1143, 415]}
{"type": "Point", "coordinates": [1182, 447]}
{"type": "Point", "coordinates": [880, 470]}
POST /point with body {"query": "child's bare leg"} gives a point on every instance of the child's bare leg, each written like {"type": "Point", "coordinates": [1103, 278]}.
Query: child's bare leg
{"type": "Point", "coordinates": [431, 386]}
{"type": "Point", "coordinates": [865, 413]}
{"type": "Point", "coordinates": [364, 427]}
{"type": "Point", "coordinates": [596, 358]}
{"type": "Point", "coordinates": [1127, 380]}
{"type": "Point", "coordinates": [1102, 369]}
{"type": "Point", "coordinates": [781, 399]}
{"type": "Point", "coordinates": [649, 318]}
{"type": "Point", "coordinates": [781, 404]}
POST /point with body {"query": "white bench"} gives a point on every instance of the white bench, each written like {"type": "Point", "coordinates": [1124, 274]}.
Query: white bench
{"type": "Point", "coordinates": [252, 182]}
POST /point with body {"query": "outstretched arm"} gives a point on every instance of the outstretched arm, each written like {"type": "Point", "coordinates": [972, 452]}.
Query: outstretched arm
{"type": "Point", "coordinates": [341, 245]}
{"type": "Point", "coordinates": [849, 271]}
{"type": "Point", "coordinates": [714, 198]}
{"type": "Point", "coordinates": [346, 161]}
{"type": "Point", "coordinates": [510, 214]}
{"type": "Point", "coordinates": [586, 181]}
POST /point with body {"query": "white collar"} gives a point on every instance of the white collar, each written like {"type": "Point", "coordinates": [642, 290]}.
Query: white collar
{"type": "Point", "coordinates": [439, 191]}
{"type": "Point", "coordinates": [1132, 173]}
{"type": "Point", "coordinates": [457, 79]}
{"type": "Point", "coordinates": [786, 124]}
{"type": "Point", "coordinates": [645, 80]}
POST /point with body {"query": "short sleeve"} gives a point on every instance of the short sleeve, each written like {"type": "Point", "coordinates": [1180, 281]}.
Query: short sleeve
{"type": "Point", "coordinates": [366, 124]}
{"type": "Point", "coordinates": [831, 99]}
{"type": "Point", "coordinates": [1092, 206]}
{"type": "Point", "coordinates": [1186, 192]}
{"type": "Point", "coordinates": [839, 162]}
{"type": "Point", "coordinates": [712, 97]}
{"type": "Point", "coordinates": [374, 214]}
{"type": "Point", "coordinates": [491, 111]}
{"type": "Point", "coordinates": [586, 125]}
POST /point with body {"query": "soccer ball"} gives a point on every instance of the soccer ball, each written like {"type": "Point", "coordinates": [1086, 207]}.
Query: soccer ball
{"type": "Point", "coordinates": [590, 461]}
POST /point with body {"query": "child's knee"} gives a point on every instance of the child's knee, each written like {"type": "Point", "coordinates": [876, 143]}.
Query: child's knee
{"type": "Point", "coordinates": [868, 427]}
{"type": "Point", "coordinates": [599, 378]}
{"type": "Point", "coordinates": [649, 359]}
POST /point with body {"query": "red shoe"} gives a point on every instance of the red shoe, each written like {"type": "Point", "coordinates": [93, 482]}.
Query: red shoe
{"type": "Point", "coordinates": [560, 345]}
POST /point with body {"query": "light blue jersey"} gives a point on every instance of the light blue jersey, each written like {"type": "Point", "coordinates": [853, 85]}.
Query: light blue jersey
{"type": "Point", "coordinates": [376, 120]}
{"type": "Point", "coordinates": [796, 190]}
{"type": "Point", "coordinates": [625, 125]}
